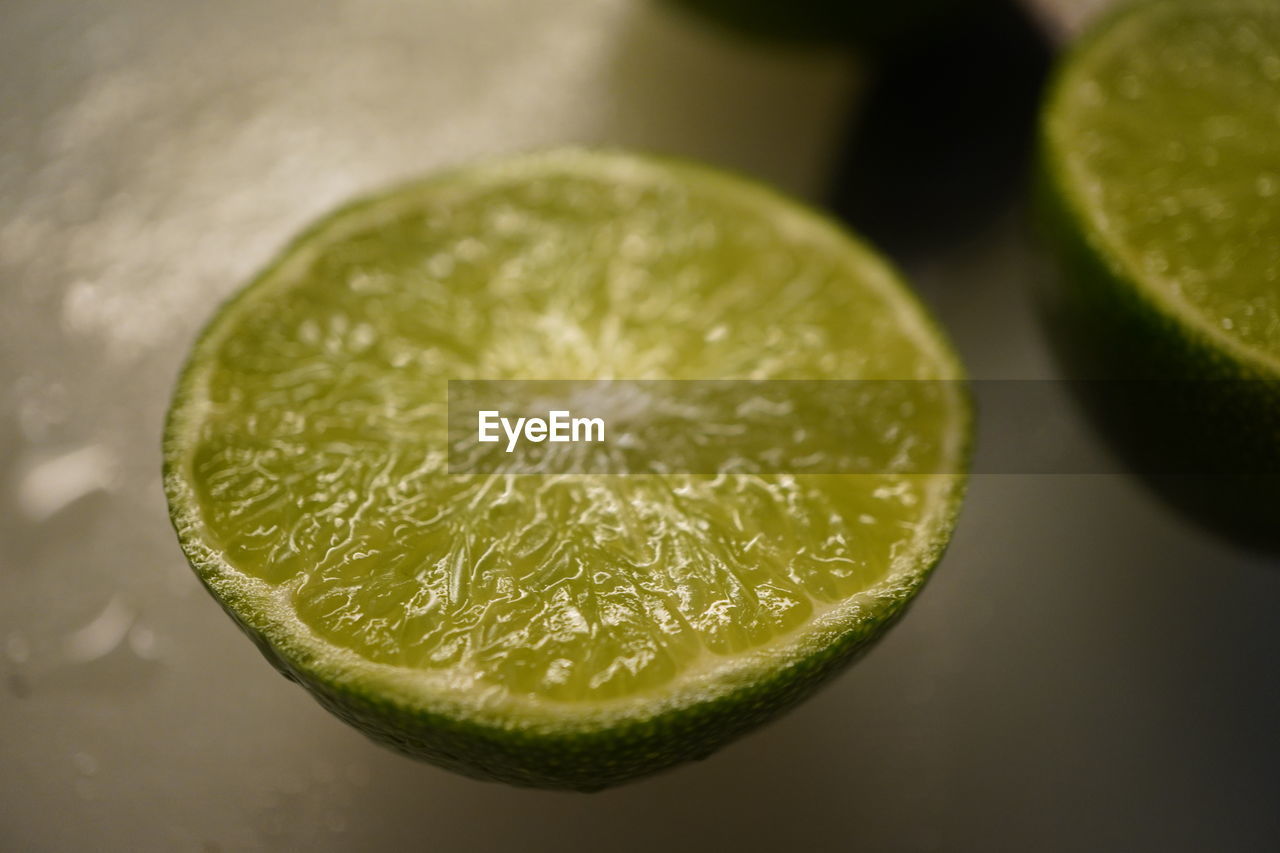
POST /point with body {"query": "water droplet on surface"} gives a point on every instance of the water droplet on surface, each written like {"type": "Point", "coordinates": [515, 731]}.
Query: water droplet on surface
{"type": "Point", "coordinates": [142, 641]}
{"type": "Point", "coordinates": [80, 307]}
{"type": "Point", "coordinates": [17, 648]}
{"type": "Point", "coordinates": [52, 485]}
{"type": "Point", "coordinates": [85, 763]}
{"type": "Point", "coordinates": [102, 635]}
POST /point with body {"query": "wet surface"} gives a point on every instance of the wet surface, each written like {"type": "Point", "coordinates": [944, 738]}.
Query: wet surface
{"type": "Point", "coordinates": [1086, 671]}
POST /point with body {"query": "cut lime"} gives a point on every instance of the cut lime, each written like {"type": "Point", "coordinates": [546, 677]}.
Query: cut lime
{"type": "Point", "coordinates": [568, 631]}
{"type": "Point", "coordinates": [1161, 179]}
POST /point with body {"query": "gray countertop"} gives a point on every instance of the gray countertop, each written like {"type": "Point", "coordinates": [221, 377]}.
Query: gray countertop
{"type": "Point", "coordinates": [1086, 670]}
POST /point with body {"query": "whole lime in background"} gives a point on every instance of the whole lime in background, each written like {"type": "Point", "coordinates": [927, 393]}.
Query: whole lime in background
{"type": "Point", "coordinates": [1160, 187]}
{"type": "Point", "coordinates": [562, 631]}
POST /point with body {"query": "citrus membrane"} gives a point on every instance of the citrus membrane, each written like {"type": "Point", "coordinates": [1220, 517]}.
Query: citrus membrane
{"type": "Point", "coordinates": [561, 630]}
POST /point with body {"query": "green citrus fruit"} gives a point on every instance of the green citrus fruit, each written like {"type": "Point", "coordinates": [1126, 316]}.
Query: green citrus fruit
{"type": "Point", "coordinates": [559, 630]}
{"type": "Point", "coordinates": [1161, 190]}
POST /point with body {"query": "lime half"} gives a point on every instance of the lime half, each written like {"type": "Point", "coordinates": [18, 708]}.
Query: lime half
{"type": "Point", "coordinates": [1161, 179]}
{"type": "Point", "coordinates": [554, 630]}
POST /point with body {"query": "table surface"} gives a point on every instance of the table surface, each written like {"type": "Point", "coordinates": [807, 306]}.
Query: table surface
{"type": "Point", "coordinates": [1086, 670]}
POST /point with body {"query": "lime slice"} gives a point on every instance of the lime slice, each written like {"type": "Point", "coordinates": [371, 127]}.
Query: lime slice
{"type": "Point", "coordinates": [558, 630]}
{"type": "Point", "coordinates": [1161, 183]}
